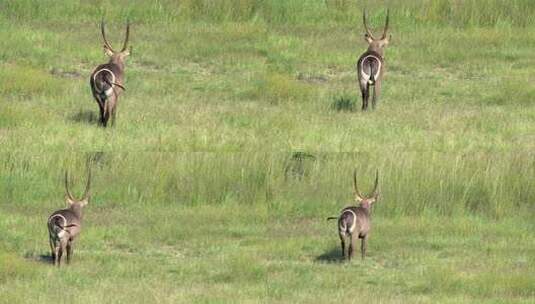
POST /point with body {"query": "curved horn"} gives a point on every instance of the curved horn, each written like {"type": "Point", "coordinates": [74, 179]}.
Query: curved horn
{"type": "Point", "coordinates": [125, 44]}
{"type": "Point", "coordinates": [368, 32]}
{"type": "Point", "coordinates": [376, 186]}
{"type": "Point", "coordinates": [386, 24]}
{"type": "Point", "coordinates": [106, 43]}
{"type": "Point", "coordinates": [69, 195]}
{"type": "Point", "coordinates": [357, 193]}
{"type": "Point", "coordinates": [88, 185]}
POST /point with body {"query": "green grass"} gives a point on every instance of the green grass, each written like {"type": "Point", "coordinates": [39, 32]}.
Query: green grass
{"type": "Point", "coordinates": [199, 195]}
{"type": "Point", "coordinates": [245, 227]}
{"type": "Point", "coordinates": [247, 75]}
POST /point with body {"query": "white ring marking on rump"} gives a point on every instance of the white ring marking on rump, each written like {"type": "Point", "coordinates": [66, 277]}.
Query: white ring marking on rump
{"type": "Point", "coordinates": [366, 76]}
{"type": "Point", "coordinates": [63, 230]}
{"type": "Point", "coordinates": [109, 91]}
{"type": "Point", "coordinates": [354, 220]}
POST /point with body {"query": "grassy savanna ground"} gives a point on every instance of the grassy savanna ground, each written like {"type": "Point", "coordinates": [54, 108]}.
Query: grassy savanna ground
{"type": "Point", "coordinates": [254, 75]}
{"type": "Point", "coordinates": [452, 137]}
{"type": "Point", "coordinates": [244, 227]}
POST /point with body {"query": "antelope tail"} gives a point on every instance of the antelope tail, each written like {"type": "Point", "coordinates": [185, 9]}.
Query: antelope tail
{"type": "Point", "coordinates": [67, 226]}
{"type": "Point", "coordinates": [372, 76]}
{"type": "Point", "coordinates": [111, 84]}
{"type": "Point", "coordinates": [57, 219]}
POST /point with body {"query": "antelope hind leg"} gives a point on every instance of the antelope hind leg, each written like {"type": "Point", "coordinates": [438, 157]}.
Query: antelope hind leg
{"type": "Point", "coordinates": [52, 249]}
{"type": "Point", "coordinates": [365, 92]}
{"type": "Point", "coordinates": [363, 246]}
{"type": "Point", "coordinates": [343, 245]}
{"type": "Point", "coordinates": [69, 251]}
{"type": "Point", "coordinates": [376, 93]}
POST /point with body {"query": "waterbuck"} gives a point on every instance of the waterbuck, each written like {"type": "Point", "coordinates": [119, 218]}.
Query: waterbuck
{"type": "Point", "coordinates": [354, 221]}
{"type": "Point", "coordinates": [370, 66]}
{"type": "Point", "coordinates": [66, 224]}
{"type": "Point", "coordinates": [107, 80]}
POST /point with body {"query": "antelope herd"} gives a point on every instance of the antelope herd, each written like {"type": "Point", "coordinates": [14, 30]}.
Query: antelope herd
{"type": "Point", "coordinates": [107, 83]}
{"type": "Point", "coordinates": [107, 80]}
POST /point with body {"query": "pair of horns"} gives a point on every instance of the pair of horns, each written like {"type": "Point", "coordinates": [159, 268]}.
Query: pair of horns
{"type": "Point", "coordinates": [369, 33]}
{"type": "Point", "coordinates": [87, 186]}
{"type": "Point", "coordinates": [375, 191]}
{"type": "Point", "coordinates": [107, 44]}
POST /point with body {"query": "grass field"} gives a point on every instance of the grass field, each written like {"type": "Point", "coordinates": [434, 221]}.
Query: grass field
{"type": "Point", "coordinates": [244, 227]}
{"type": "Point", "coordinates": [198, 196]}
{"type": "Point", "coordinates": [268, 80]}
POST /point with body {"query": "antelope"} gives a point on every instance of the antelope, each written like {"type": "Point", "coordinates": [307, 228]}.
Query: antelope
{"type": "Point", "coordinates": [370, 65]}
{"type": "Point", "coordinates": [354, 221]}
{"type": "Point", "coordinates": [108, 78]}
{"type": "Point", "coordinates": [66, 224]}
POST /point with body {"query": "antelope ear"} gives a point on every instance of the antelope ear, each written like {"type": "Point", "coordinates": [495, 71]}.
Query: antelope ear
{"type": "Point", "coordinates": [68, 200]}
{"type": "Point", "coordinates": [127, 52]}
{"type": "Point", "coordinates": [108, 51]}
{"type": "Point", "coordinates": [84, 202]}
{"type": "Point", "coordinates": [386, 41]}
{"type": "Point", "coordinates": [368, 38]}
{"type": "Point", "coordinates": [358, 199]}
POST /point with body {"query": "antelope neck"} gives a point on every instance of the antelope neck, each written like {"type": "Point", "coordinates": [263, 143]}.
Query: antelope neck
{"type": "Point", "coordinates": [77, 210]}
{"type": "Point", "coordinates": [116, 61]}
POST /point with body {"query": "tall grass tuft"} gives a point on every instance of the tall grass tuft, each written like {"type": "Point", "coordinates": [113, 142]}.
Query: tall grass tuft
{"type": "Point", "coordinates": [445, 12]}
{"type": "Point", "coordinates": [411, 183]}
{"type": "Point", "coordinates": [344, 102]}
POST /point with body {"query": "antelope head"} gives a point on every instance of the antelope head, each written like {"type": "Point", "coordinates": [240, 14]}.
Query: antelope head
{"type": "Point", "coordinates": [116, 57]}
{"type": "Point", "coordinates": [376, 45]}
{"type": "Point", "coordinates": [366, 201]}
{"type": "Point", "coordinates": [74, 203]}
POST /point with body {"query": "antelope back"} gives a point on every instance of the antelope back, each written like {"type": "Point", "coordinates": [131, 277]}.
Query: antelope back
{"type": "Point", "coordinates": [64, 223]}
{"type": "Point", "coordinates": [354, 220]}
{"type": "Point", "coordinates": [104, 78]}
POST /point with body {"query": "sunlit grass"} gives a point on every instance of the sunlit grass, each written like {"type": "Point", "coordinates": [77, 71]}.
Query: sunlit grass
{"type": "Point", "coordinates": [250, 82]}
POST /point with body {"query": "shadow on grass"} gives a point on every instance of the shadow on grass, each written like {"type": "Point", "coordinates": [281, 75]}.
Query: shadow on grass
{"type": "Point", "coordinates": [45, 258]}
{"type": "Point", "coordinates": [332, 256]}
{"type": "Point", "coordinates": [85, 116]}
{"type": "Point", "coordinates": [42, 258]}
